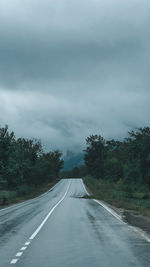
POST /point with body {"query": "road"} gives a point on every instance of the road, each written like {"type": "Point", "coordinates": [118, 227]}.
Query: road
{"type": "Point", "coordinates": [63, 229]}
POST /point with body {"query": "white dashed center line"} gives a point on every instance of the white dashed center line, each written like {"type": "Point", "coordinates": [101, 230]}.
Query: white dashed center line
{"type": "Point", "coordinates": [27, 243]}
{"type": "Point", "coordinates": [19, 254]}
{"type": "Point", "coordinates": [14, 261]}
{"type": "Point", "coordinates": [23, 248]}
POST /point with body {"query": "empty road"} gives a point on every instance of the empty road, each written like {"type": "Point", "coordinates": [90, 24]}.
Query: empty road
{"type": "Point", "coordinates": [62, 229]}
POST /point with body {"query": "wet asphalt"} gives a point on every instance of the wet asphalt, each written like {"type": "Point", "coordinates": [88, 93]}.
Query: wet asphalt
{"type": "Point", "coordinates": [79, 233]}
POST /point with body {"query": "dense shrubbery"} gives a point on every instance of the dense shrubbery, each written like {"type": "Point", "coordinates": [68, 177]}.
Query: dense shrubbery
{"type": "Point", "coordinates": [127, 161]}
{"type": "Point", "coordinates": [23, 163]}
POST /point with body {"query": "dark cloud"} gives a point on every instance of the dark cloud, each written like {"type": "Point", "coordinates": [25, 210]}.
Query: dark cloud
{"type": "Point", "coordinates": [73, 68]}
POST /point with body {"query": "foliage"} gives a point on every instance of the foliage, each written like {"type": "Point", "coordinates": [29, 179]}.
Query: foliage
{"type": "Point", "coordinates": [23, 163]}
{"type": "Point", "coordinates": [94, 157]}
{"type": "Point", "coordinates": [127, 161]}
{"type": "Point", "coordinates": [76, 172]}
{"type": "Point", "coordinates": [118, 195]}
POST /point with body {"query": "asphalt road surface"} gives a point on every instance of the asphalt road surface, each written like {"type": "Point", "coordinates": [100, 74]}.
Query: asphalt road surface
{"type": "Point", "coordinates": [62, 229]}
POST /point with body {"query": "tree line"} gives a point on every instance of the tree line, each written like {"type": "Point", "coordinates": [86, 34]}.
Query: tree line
{"type": "Point", "coordinates": [23, 162]}
{"type": "Point", "coordinates": [127, 161]}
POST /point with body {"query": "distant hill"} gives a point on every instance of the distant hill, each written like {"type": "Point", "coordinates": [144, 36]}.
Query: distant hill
{"type": "Point", "coordinates": [72, 160]}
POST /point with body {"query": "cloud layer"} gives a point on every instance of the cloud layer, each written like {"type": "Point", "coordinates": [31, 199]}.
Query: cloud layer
{"type": "Point", "coordinates": [73, 68]}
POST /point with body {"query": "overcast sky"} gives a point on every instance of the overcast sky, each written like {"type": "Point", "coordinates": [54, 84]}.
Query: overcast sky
{"type": "Point", "coordinates": [71, 68]}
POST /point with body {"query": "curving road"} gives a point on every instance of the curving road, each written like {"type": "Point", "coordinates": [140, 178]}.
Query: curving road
{"type": "Point", "coordinates": [62, 229]}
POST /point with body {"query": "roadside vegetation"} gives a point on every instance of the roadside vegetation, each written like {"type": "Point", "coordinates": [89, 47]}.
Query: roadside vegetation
{"type": "Point", "coordinates": [119, 195]}
{"type": "Point", "coordinates": [25, 169]}
{"type": "Point", "coordinates": [119, 171]}
{"type": "Point", "coordinates": [114, 171]}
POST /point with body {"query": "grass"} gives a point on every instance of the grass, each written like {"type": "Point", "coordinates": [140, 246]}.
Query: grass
{"type": "Point", "coordinates": [23, 192]}
{"type": "Point", "coordinates": [119, 195]}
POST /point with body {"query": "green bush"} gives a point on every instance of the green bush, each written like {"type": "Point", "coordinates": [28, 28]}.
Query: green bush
{"type": "Point", "coordinates": [3, 183]}
{"type": "Point", "coordinates": [140, 195]}
{"type": "Point", "coordinates": [24, 190]}
{"type": "Point", "coordinates": [4, 196]}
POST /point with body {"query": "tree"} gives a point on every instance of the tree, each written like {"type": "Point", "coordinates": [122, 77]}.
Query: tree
{"type": "Point", "coordinates": [128, 160]}
{"type": "Point", "coordinates": [94, 155]}
{"type": "Point", "coordinates": [23, 162]}
{"type": "Point", "coordinates": [138, 156]}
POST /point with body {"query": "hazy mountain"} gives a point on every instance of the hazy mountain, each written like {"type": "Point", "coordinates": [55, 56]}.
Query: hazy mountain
{"type": "Point", "coordinates": [72, 160]}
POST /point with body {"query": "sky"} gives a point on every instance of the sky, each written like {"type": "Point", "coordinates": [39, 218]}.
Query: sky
{"type": "Point", "coordinates": [72, 68]}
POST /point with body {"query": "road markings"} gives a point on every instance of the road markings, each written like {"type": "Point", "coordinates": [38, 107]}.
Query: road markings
{"type": "Point", "coordinates": [28, 201]}
{"type": "Point", "coordinates": [117, 216]}
{"type": "Point", "coordinates": [19, 254]}
{"type": "Point", "coordinates": [14, 261]}
{"type": "Point", "coordinates": [23, 248]}
{"type": "Point", "coordinates": [27, 243]}
{"type": "Point", "coordinates": [49, 214]}
{"type": "Point", "coordinates": [104, 206]}
{"type": "Point", "coordinates": [85, 188]}
{"type": "Point", "coordinates": [109, 210]}
{"type": "Point", "coordinates": [142, 233]}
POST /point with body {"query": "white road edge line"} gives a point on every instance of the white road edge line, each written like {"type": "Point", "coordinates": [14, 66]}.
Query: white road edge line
{"type": "Point", "coordinates": [141, 232]}
{"type": "Point", "coordinates": [135, 229]}
{"type": "Point", "coordinates": [26, 201]}
{"type": "Point", "coordinates": [103, 205]}
{"type": "Point", "coordinates": [85, 188]}
{"type": "Point", "coordinates": [109, 210]}
{"type": "Point", "coordinates": [14, 261]}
